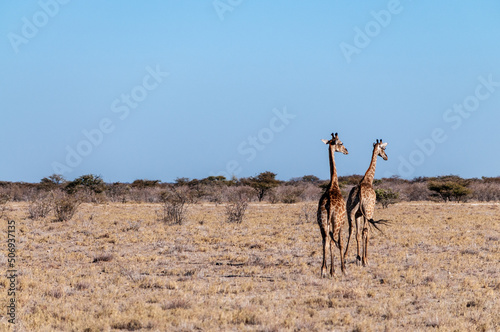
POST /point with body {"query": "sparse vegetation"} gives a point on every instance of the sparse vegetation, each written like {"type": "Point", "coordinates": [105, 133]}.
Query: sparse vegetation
{"type": "Point", "coordinates": [308, 213]}
{"type": "Point", "coordinates": [237, 205]}
{"type": "Point", "coordinates": [40, 205]}
{"type": "Point", "coordinates": [65, 207]}
{"type": "Point", "coordinates": [115, 267]}
{"type": "Point", "coordinates": [174, 204]}
{"type": "Point", "coordinates": [249, 274]}
{"type": "Point", "coordinates": [4, 198]}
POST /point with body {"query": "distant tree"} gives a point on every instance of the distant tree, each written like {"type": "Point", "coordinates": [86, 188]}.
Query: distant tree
{"type": "Point", "coordinates": [182, 181]}
{"type": "Point", "coordinates": [420, 179]}
{"type": "Point", "coordinates": [461, 192]}
{"type": "Point", "coordinates": [491, 180]}
{"type": "Point", "coordinates": [350, 180]}
{"type": "Point", "coordinates": [52, 182]}
{"type": "Point", "coordinates": [386, 197]}
{"type": "Point", "coordinates": [262, 183]}
{"type": "Point", "coordinates": [57, 178]}
{"type": "Point", "coordinates": [450, 187]}
{"type": "Point", "coordinates": [324, 185]}
{"type": "Point", "coordinates": [145, 183]}
{"type": "Point", "coordinates": [90, 183]}
{"type": "Point", "coordinates": [310, 179]}
{"type": "Point", "coordinates": [195, 187]}
{"type": "Point", "coordinates": [216, 180]}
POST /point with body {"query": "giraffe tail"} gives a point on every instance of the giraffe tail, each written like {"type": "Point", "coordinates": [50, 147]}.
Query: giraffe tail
{"type": "Point", "coordinates": [377, 223]}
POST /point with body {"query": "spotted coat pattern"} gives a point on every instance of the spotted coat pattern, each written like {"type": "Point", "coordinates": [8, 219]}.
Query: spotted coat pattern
{"type": "Point", "coordinates": [331, 209]}
{"type": "Point", "coordinates": [361, 206]}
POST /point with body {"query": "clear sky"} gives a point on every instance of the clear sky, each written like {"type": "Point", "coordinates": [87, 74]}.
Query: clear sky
{"type": "Point", "coordinates": [166, 89]}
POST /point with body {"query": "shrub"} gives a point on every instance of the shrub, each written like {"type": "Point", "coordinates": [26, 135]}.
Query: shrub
{"type": "Point", "coordinates": [65, 207]}
{"type": "Point", "coordinates": [19, 192]}
{"type": "Point", "coordinates": [213, 193]}
{"type": "Point", "coordinates": [149, 195]}
{"type": "Point", "coordinates": [288, 194]}
{"type": "Point", "coordinates": [174, 204]}
{"type": "Point", "coordinates": [4, 198]}
{"type": "Point", "coordinates": [132, 325]}
{"type": "Point", "coordinates": [103, 257]}
{"type": "Point", "coordinates": [417, 191]}
{"type": "Point", "coordinates": [118, 192]}
{"type": "Point", "coordinates": [485, 191]}
{"type": "Point", "coordinates": [237, 205]}
{"type": "Point", "coordinates": [307, 213]}
{"type": "Point", "coordinates": [235, 211]}
{"type": "Point", "coordinates": [310, 192]}
{"type": "Point", "coordinates": [39, 206]}
{"type": "Point", "coordinates": [176, 304]}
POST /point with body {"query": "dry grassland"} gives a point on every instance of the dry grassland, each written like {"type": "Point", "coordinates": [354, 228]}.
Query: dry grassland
{"type": "Point", "coordinates": [116, 267]}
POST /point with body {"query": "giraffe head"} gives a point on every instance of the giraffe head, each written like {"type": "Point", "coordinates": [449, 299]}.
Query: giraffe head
{"type": "Point", "coordinates": [336, 144]}
{"type": "Point", "coordinates": [379, 149]}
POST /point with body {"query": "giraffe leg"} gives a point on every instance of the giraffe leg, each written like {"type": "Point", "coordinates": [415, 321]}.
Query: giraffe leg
{"type": "Point", "coordinates": [323, 227]}
{"type": "Point", "coordinates": [330, 240]}
{"type": "Point", "coordinates": [323, 266]}
{"type": "Point", "coordinates": [342, 260]}
{"type": "Point", "coordinates": [358, 240]}
{"type": "Point", "coordinates": [332, 269]}
{"type": "Point", "coordinates": [348, 239]}
{"type": "Point", "coordinates": [365, 245]}
{"type": "Point", "coordinates": [350, 220]}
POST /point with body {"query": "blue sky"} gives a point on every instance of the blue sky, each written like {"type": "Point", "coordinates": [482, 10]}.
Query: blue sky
{"type": "Point", "coordinates": [165, 89]}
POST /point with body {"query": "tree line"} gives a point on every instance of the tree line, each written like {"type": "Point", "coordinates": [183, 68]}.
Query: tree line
{"type": "Point", "coordinates": [262, 187]}
{"type": "Point", "coordinates": [60, 197]}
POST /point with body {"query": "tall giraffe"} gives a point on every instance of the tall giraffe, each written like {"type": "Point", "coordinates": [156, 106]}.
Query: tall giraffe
{"type": "Point", "coordinates": [331, 208]}
{"type": "Point", "coordinates": [361, 204]}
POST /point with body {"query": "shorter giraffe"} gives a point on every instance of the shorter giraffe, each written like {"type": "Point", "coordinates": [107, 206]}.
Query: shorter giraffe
{"type": "Point", "coordinates": [331, 208]}
{"type": "Point", "coordinates": [361, 205]}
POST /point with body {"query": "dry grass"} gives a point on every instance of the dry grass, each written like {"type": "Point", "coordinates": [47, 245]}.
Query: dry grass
{"type": "Point", "coordinates": [116, 267]}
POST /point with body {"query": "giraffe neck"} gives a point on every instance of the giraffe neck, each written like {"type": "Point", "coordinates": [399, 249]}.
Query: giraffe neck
{"type": "Point", "coordinates": [370, 173]}
{"type": "Point", "coordinates": [334, 181]}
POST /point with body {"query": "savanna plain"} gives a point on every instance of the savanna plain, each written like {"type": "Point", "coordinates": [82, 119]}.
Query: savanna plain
{"type": "Point", "coordinates": [117, 266]}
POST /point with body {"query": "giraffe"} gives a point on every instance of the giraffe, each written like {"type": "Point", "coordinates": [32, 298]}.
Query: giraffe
{"type": "Point", "coordinates": [331, 208]}
{"type": "Point", "coordinates": [361, 204]}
